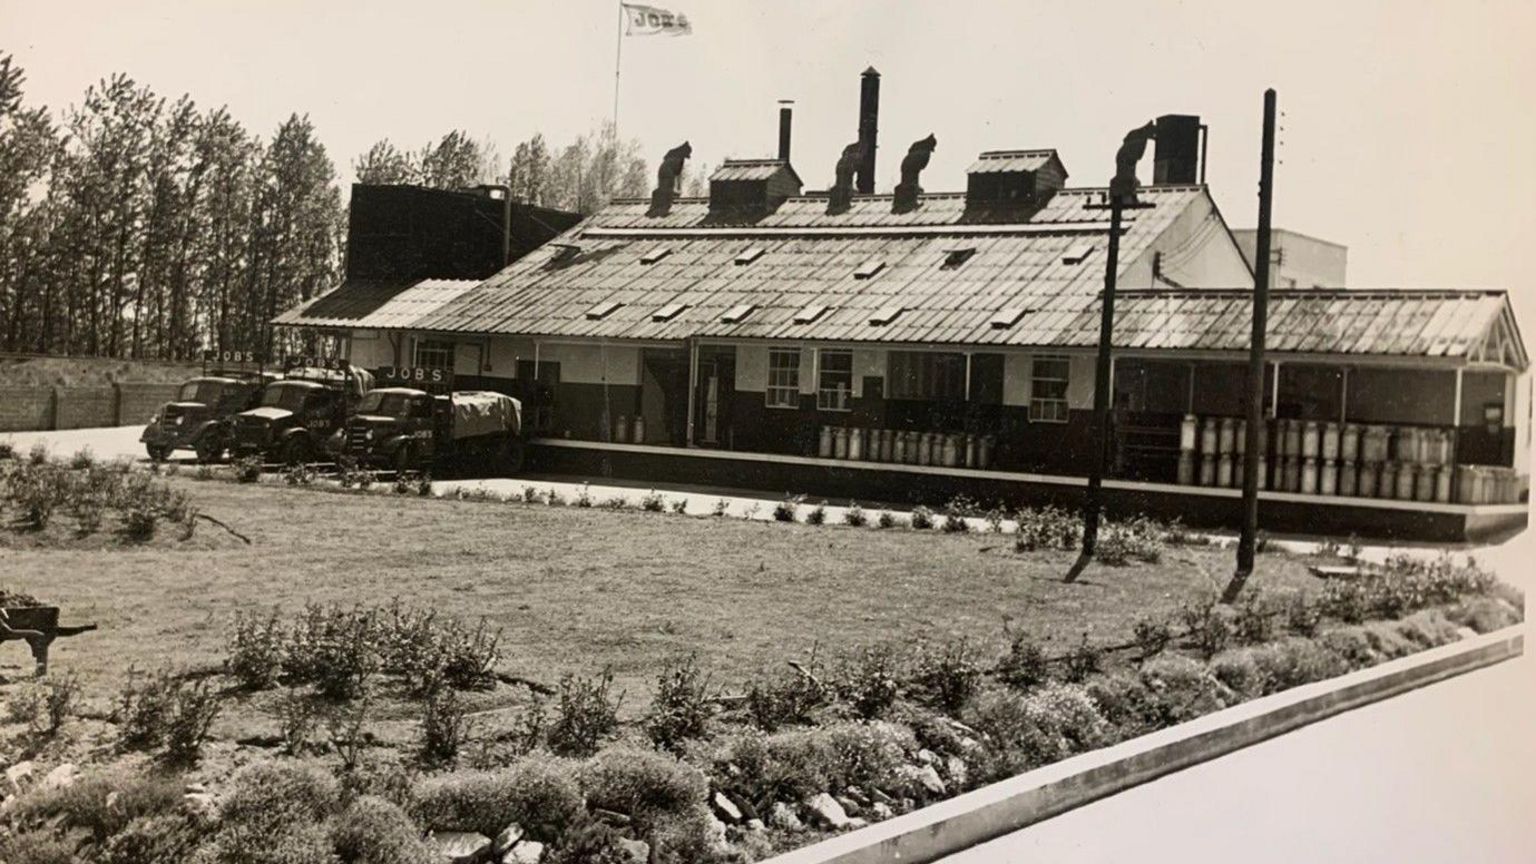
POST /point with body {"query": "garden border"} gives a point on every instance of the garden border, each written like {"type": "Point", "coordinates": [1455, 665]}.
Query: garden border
{"type": "Point", "coordinates": [1001, 808]}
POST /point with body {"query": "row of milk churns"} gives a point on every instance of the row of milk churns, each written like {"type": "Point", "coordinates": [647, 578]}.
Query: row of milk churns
{"type": "Point", "coordinates": [1319, 458]}
{"type": "Point", "coordinates": [950, 450]}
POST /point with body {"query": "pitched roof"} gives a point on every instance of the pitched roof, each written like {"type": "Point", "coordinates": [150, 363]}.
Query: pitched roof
{"type": "Point", "coordinates": [752, 169]}
{"type": "Point", "coordinates": [376, 304]}
{"type": "Point", "coordinates": [997, 161]}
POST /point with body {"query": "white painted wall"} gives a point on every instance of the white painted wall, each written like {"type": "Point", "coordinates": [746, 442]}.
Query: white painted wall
{"type": "Point", "coordinates": [1080, 382]}
{"type": "Point", "coordinates": [372, 350]}
{"type": "Point", "coordinates": [589, 364]}
{"type": "Point", "coordinates": [1198, 252]}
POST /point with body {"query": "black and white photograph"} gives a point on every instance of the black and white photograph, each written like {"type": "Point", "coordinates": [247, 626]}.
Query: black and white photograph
{"type": "Point", "coordinates": [784, 431]}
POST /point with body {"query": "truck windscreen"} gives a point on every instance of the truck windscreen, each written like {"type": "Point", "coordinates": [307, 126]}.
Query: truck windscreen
{"type": "Point", "coordinates": [285, 396]}
{"type": "Point", "coordinates": [206, 392]}
{"type": "Point", "coordinates": [385, 404]}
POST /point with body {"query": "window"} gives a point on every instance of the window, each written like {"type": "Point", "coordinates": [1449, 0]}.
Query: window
{"type": "Point", "coordinates": [926, 375]}
{"type": "Point", "coordinates": [433, 354]}
{"type": "Point", "coordinates": [1048, 388]}
{"type": "Point", "coordinates": [783, 378]}
{"type": "Point", "coordinates": [834, 392]}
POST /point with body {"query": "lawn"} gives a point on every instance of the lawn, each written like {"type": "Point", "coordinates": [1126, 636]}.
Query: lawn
{"type": "Point", "coordinates": [575, 590]}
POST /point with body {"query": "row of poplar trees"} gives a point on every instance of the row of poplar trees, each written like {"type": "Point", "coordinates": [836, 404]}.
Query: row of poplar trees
{"type": "Point", "coordinates": [135, 226]}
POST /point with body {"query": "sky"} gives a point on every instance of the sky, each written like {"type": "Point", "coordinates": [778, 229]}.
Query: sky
{"type": "Point", "coordinates": [1406, 131]}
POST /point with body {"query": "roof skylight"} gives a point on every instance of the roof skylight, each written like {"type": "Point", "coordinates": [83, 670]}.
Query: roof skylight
{"type": "Point", "coordinates": [736, 314]}
{"type": "Point", "coordinates": [1006, 318]}
{"type": "Point", "coordinates": [810, 313]}
{"type": "Point", "coordinates": [602, 310]}
{"type": "Point", "coordinates": [868, 269]}
{"type": "Point", "coordinates": [750, 255]}
{"type": "Point", "coordinates": [655, 255]}
{"type": "Point", "coordinates": [668, 312]}
{"type": "Point", "coordinates": [1077, 254]}
{"type": "Point", "coordinates": [885, 315]}
{"type": "Point", "coordinates": [957, 257]}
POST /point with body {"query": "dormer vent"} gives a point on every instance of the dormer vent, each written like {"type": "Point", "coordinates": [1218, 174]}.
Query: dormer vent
{"type": "Point", "coordinates": [1014, 179]}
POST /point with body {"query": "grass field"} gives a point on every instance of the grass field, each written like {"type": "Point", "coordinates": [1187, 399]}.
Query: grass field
{"type": "Point", "coordinates": [574, 590]}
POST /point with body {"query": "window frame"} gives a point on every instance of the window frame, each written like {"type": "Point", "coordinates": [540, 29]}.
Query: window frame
{"type": "Point", "coordinates": [437, 346]}
{"type": "Point", "coordinates": [1059, 406]}
{"type": "Point", "coordinates": [785, 391]}
{"type": "Point", "coordinates": [930, 372]}
{"type": "Point", "coordinates": [827, 397]}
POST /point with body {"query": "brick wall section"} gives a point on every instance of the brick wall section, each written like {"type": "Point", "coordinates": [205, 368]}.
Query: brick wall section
{"type": "Point", "coordinates": [23, 409]}
{"type": "Point", "coordinates": [85, 407]}
{"type": "Point", "coordinates": [27, 409]}
{"type": "Point", "coordinates": [136, 402]}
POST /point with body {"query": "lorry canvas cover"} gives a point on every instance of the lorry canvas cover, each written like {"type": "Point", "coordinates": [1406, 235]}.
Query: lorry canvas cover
{"type": "Point", "coordinates": [481, 412]}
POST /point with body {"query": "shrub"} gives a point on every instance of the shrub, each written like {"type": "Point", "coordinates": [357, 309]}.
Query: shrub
{"type": "Point", "coordinates": [1253, 623]}
{"type": "Point", "coordinates": [681, 707]}
{"type": "Point", "coordinates": [1302, 616]}
{"type": "Point", "coordinates": [7, 451]}
{"type": "Point", "coordinates": [869, 681]}
{"type": "Point", "coordinates": [1344, 600]}
{"type": "Point", "coordinates": [922, 518]}
{"type": "Point", "coordinates": [254, 651]}
{"type": "Point", "coordinates": [1113, 546]}
{"type": "Point", "coordinates": [785, 699]}
{"type": "Point", "coordinates": [539, 793]}
{"type": "Point", "coordinates": [1025, 666]}
{"type": "Point", "coordinates": [375, 831]}
{"type": "Point", "coordinates": [855, 515]}
{"type": "Point", "coordinates": [296, 717]}
{"type": "Point", "coordinates": [1295, 661]}
{"type": "Point", "coordinates": [650, 787]}
{"type": "Point", "coordinates": [589, 842]}
{"type": "Point", "coordinates": [868, 754]}
{"type": "Point", "coordinates": [1182, 689]}
{"type": "Point", "coordinates": [45, 705]}
{"type": "Point", "coordinates": [785, 510]}
{"type": "Point", "coordinates": [247, 469]}
{"type": "Point", "coordinates": [424, 486]}
{"type": "Point", "coordinates": [445, 726]}
{"type": "Point", "coordinates": [193, 708]}
{"type": "Point", "coordinates": [1028, 731]}
{"type": "Point", "coordinates": [1351, 646]}
{"type": "Point", "coordinates": [995, 517]}
{"type": "Point", "coordinates": [1083, 660]}
{"type": "Point", "coordinates": [1206, 621]}
{"type": "Point", "coordinates": [585, 715]}
{"type": "Point", "coordinates": [38, 455]}
{"type": "Point", "coordinates": [1484, 614]}
{"type": "Point", "coordinates": [653, 502]}
{"type": "Point", "coordinates": [788, 766]}
{"type": "Point", "coordinates": [152, 840]}
{"type": "Point", "coordinates": [84, 803]}
{"type": "Point", "coordinates": [275, 795]}
{"type": "Point", "coordinates": [37, 847]}
{"type": "Point", "coordinates": [1152, 635]}
{"type": "Point", "coordinates": [947, 674]}
{"type": "Point", "coordinates": [334, 649]}
{"type": "Point", "coordinates": [817, 515]}
{"type": "Point", "coordinates": [678, 506]}
{"type": "Point", "coordinates": [1238, 672]}
{"type": "Point", "coordinates": [886, 519]}
{"type": "Point", "coordinates": [583, 496]}
{"type": "Point", "coordinates": [1047, 528]}
{"type": "Point", "coordinates": [143, 706]}
{"type": "Point", "coordinates": [720, 506]}
{"type": "Point", "coordinates": [1124, 700]}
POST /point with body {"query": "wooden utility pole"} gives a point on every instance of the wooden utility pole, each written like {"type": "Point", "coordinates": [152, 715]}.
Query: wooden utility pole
{"type": "Point", "coordinates": [1093, 502]}
{"type": "Point", "coordinates": [1247, 540]}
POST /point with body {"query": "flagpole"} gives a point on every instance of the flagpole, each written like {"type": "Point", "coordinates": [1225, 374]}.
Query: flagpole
{"type": "Point", "coordinates": [618, 57]}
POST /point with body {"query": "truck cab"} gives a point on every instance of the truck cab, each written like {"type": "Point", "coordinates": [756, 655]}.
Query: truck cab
{"type": "Point", "coordinates": [296, 415]}
{"type": "Point", "coordinates": [199, 417]}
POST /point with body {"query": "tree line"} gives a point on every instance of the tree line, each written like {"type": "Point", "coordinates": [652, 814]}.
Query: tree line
{"type": "Point", "coordinates": [136, 226]}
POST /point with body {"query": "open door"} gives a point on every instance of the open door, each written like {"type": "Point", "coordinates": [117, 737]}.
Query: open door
{"type": "Point", "coordinates": [716, 387]}
{"type": "Point", "coordinates": [664, 397]}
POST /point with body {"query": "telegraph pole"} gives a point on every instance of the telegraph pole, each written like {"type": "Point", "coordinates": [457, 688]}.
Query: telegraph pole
{"type": "Point", "coordinates": [1247, 540]}
{"type": "Point", "coordinates": [1093, 503]}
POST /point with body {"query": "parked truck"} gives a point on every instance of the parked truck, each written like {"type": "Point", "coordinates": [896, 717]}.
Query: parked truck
{"type": "Point", "coordinates": [410, 429]}
{"type": "Point", "coordinates": [297, 414]}
{"type": "Point", "coordinates": [200, 417]}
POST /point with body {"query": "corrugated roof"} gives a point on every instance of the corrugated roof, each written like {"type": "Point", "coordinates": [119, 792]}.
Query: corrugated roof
{"type": "Point", "coordinates": [1351, 322]}
{"type": "Point", "coordinates": [810, 258]}
{"type": "Point", "coordinates": [376, 304]}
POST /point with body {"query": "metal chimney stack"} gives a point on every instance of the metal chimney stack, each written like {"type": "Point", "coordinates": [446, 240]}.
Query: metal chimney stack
{"type": "Point", "coordinates": [786, 110]}
{"type": "Point", "coordinates": [869, 122]}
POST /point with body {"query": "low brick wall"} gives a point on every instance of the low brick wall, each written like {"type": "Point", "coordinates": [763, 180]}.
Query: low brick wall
{"type": "Point", "coordinates": [32, 409]}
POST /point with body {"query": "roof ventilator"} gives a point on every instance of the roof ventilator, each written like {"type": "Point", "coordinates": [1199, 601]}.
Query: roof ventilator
{"type": "Point", "coordinates": [668, 312]}
{"type": "Point", "coordinates": [750, 255]}
{"type": "Point", "coordinates": [1006, 318]}
{"type": "Point", "coordinates": [655, 255]}
{"type": "Point", "coordinates": [1077, 254]}
{"type": "Point", "coordinates": [885, 315]}
{"type": "Point", "coordinates": [956, 257]}
{"type": "Point", "coordinates": [736, 314]}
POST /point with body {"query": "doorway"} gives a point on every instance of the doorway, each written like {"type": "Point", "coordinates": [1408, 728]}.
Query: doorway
{"type": "Point", "coordinates": [664, 397]}
{"type": "Point", "coordinates": [716, 389]}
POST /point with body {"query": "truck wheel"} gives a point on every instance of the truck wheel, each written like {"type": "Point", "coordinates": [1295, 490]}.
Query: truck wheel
{"type": "Point", "coordinates": [512, 458]}
{"type": "Point", "coordinates": [209, 449]}
{"type": "Point", "coordinates": [158, 452]}
{"type": "Point", "coordinates": [296, 451]}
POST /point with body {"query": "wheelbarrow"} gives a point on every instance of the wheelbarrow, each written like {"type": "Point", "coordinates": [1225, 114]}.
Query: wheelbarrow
{"type": "Point", "coordinates": [39, 626]}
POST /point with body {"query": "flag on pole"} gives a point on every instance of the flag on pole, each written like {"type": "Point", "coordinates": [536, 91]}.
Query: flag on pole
{"type": "Point", "coordinates": [652, 21]}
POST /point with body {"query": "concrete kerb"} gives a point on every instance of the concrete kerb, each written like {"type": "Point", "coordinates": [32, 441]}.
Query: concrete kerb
{"type": "Point", "coordinates": [984, 814]}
